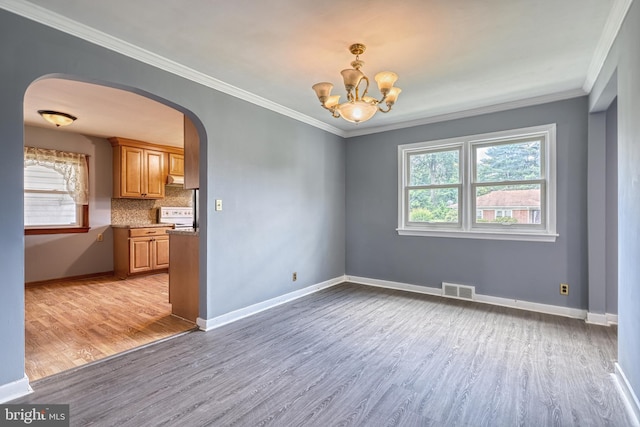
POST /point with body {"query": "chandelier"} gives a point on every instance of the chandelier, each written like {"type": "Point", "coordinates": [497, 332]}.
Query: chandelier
{"type": "Point", "coordinates": [358, 107]}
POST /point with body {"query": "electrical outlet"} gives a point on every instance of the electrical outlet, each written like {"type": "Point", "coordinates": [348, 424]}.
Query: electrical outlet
{"type": "Point", "coordinates": [100, 237]}
{"type": "Point", "coordinates": [564, 289]}
{"type": "Point", "coordinates": [294, 277]}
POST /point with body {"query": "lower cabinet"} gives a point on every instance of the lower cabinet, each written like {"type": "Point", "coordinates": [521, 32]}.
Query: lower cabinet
{"type": "Point", "coordinates": [140, 250]}
{"type": "Point", "coordinates": [148, 253]}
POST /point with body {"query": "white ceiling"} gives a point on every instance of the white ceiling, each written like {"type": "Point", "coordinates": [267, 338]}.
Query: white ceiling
{"type": "Point", "coordinates": [103, 111]}
{"type": "Point", "coordinates": [453, 56]}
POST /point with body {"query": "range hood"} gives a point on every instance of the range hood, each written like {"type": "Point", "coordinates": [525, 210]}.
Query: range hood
{"type": "Point", "coordinates": [175, 180]}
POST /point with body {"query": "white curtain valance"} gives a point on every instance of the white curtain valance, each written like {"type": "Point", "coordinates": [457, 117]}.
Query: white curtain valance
{"type": "Point", "coordinates": [72, 166]}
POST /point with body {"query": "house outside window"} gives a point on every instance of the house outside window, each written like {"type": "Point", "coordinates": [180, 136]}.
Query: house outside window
{"type": "Point", "coordinates": [55, 192]}
{"type": "Point", "coordinates": [496, 186]}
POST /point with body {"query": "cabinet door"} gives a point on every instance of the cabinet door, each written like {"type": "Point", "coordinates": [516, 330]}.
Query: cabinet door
{"type": "Point", "coordinates": [154, 179]}
{"type": "Point", "coordinates": [140, 254]}
{"type": "Point", "coordinates": [132, 165]}
{"type": "Point", "coordinates": [176, 164]}
{"type": "Point", "coordinates": [161, 252]}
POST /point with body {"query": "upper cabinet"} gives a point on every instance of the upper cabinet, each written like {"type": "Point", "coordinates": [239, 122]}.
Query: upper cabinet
{"type": "Point", "coordinates": [140, 169]}
{"type": "Point", "coordinates": [192, 155]}
{"type": "Point", "coordinates": [176, 164]}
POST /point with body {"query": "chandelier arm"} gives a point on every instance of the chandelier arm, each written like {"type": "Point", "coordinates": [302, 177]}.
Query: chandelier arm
{"type": "Point", "coordinates": [385, 111]}
{"type": "Point", "coordinates": [333, 110]}
{"type": "Point", "coordinates": [366, 89]}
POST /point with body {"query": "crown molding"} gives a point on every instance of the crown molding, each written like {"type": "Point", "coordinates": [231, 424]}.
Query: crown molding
{"type": "Point", "coordinates": [558, 96]}
{"type": "Point", "coordinates": [607, 38]}
{"type": "Point", "coordinates": [69, 26]}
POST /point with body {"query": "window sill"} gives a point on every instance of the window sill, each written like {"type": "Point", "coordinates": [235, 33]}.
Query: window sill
{"type": "Point", "coordinates": [489, 235]}
{"type": "Point", "coordinates": [55, 230]}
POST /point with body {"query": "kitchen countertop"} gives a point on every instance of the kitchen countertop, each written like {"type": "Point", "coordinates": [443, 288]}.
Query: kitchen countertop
{"type": "Point", "coordinates": [185, 232]}
{"type": "Point", "coordinates": [140, 225]}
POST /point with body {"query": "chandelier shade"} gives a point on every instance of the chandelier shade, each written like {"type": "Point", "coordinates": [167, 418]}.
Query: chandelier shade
{"type": "Point", "coordinates": [358, 107]}
{"type": "Point", "coordinates": [357, 111]}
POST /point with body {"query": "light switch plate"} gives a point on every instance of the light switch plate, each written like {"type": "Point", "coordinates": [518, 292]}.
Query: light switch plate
{"type": "Point", "coordinates": [218, 204]}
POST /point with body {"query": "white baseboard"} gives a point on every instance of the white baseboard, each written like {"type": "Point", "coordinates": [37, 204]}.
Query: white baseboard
{"type": "Point", "coordinates": [394, 285]}
{"type": "Point", "coordinates": [216, 322]}
{"type": "Point", "coordinates": [575, 313]}
{"type": "Point", "coordinates": [628, 396]}
{"type": "Point", "coordinates": [606, 319]}
{"type": "Point", "coordinates": [15, 390]}
{"type": "Point", "coordinates": [486, 299]}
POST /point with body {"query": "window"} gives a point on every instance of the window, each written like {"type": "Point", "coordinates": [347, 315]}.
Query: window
{"type": "Point", "coordinates": [493, 186]}
{"type": "Point", "coordinates": [504, 213]}
{"type": "Point", "coordinates": [55, 192]}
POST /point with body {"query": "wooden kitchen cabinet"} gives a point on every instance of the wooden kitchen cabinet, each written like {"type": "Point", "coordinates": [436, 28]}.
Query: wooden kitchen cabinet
{"type": "Point", "coordinates": [176, 164]}
{"type": "Point", "coordinates": [140, 169]}
{"type": "Point", "coordinates": [184, 279]}
{"type": "Point", "coordinates": [191, 155]}
{"type": "Point", "coordinates": [148, 253]}
{"type": "Point", "coordinates": [140, 250]}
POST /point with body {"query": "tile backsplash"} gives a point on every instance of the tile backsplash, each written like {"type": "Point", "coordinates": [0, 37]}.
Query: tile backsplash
{"type": "Point", "coordinates": [140, 211]}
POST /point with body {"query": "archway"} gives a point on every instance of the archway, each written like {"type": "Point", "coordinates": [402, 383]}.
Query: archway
{"type": "Point", "coordinates": [103, 111]}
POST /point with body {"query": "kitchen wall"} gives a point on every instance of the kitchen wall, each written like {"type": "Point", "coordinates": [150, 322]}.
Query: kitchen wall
{"type": "Point", "coordinates": [138, 211]}
{"type": "Point", "coordinates": [56, 256]}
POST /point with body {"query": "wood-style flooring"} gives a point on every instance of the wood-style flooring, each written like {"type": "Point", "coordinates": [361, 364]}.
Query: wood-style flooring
{"type": "Point", "coordinates": [71, 323]}
{"type": "Point", "coordinates": [357, 356]}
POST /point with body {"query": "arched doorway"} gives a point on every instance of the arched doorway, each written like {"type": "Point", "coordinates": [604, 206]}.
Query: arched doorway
{"type": "Point", "coordinates": [75, 313]}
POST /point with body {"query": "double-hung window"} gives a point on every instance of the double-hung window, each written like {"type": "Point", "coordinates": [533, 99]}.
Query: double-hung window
{"type": "Point", "coordinates": [491, 186]}
{"type": "Point", "coordinates": [56, 191]}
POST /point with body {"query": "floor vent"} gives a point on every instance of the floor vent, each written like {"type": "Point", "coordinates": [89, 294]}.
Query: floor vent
{"type": "Point", "coordinates": [453, 290]}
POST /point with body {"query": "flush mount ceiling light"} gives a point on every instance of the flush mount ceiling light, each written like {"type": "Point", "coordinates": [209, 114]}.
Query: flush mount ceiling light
{"type": "Point", "coordinates": [358, 108]}
{"type": "Point", "coordinates": [57, 118]}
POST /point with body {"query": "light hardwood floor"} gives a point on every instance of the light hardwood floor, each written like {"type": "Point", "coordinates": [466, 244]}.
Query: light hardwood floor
{"type": "Point", "coordinates": [71, 323]}
{"type": "Point", "coordinates": [357, 356]}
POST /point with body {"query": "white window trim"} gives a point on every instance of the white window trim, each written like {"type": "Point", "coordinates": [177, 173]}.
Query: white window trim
{"type": "Point", "coordinates": [465, 231]}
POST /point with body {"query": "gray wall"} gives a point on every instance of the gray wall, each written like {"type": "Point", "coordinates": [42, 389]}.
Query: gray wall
{"type": "Point", "coordinates": [282, 182]}
{"type": "Point", "coordinates": [530, 271]}
{"type": "Point", "coordinates": [602, 207]}
{"type": "Point", "coordinates": [283, 193]}
{"type": "Point", "coordinates": [623, 65]}
{"type": "Point", "coordinates": [597, 212]}
{"type": "Point", "coordinates": [64, 255]}
{"type": "Point", "coordinates": [611, 256]}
